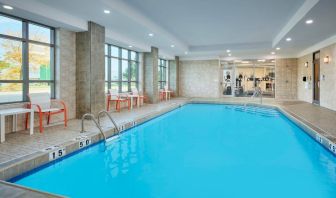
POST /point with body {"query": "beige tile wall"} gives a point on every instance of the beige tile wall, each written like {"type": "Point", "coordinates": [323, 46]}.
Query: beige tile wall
{"type": "Point", "coordinates": [305, 89]}
{"type": "Point", "coordinates": [328, 82]}
{"type": "Point", "coordinates": [199, 78]}
{"type": "Point", "coordinates": [286, 79]}
{"type": "Point", "coordinates": [327, 77]}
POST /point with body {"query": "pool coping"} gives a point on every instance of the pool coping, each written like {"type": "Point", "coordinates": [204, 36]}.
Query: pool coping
{"type": "Point", "coordinates": [25, 164]}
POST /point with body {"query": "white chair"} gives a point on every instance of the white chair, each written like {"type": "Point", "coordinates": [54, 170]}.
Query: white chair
{"type": "Point", "coordinates": [42, 104]}
{"type": "Point", "coordinates": [135, 91]}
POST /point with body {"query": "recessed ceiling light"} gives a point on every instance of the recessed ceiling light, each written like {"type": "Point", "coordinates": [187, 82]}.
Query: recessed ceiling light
{"type": "Point", "coordinates": [309, 21]}
{"type": "Point", "coordinates": [151, 34]}
{"type": "Point", "coordinates": [228, 51]}
{"type": "Point", "coordinates": [7, 7]}
{"type": "Point", "coordinates": [261, 60]}
{"type": "Point", "coordinates": [130, 46]}
{"type": "Point", "coordinates": [172, 46]}
{"type": "Point", "coordinates": [229, 54]}
{"type": "Point", "coordinates": [107, 11]}
{"type": "Point", "coordinates": [273, 53]}
{"type": "Point", "coordinates": [288, 39]}
{"type": "Point", "coordinates": [278, 48]}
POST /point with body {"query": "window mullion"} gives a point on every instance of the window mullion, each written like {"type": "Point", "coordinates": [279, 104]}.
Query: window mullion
{"type": "Point", "coordinates": [129, 70]}
{"type": "Point", "coordinates": [109, 67]}
{"type": "Point", "coordinates": [120, 69]}
{"type": "Point", "coordinates": [25, 61]}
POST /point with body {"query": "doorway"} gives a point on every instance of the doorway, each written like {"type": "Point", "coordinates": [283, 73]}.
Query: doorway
{"type": "Point", "coordinates": [227, 81]}
{"type": "Point", "coordinates": [316, 77]}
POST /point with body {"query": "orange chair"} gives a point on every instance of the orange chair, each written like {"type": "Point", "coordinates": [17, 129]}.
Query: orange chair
{"type": "Point", "coordinates": [42, 105]}
{"type": "Point", "coordinates": [161, 94]}
{"type": "Point", "coordinates": [114, 96]}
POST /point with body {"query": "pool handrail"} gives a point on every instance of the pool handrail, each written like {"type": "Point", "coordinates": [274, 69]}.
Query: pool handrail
{"type": "Point", "coordinates": [111, 119]}
{"type": "Point", "coordinates": [89, 115]}
{"type": "Point", "coordinates": [257, 92]}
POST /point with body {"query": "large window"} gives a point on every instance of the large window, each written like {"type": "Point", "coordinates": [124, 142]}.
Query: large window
{"type": "Point", "coordinates": [26, 59]}
{"type": "Point", "coordinates": [121, 68]}
{"type": "Point", "coordinates": [162, 73]}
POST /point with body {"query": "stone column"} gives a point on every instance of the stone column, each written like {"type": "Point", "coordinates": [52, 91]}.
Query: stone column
{"type": "Point", "coordinates": [66, 70]}
{"type": "Point", "coordinates": [151, 75]}
{"type": "Point", "coordinates": [90, 70]}
{"type": "Point", "coordinates": [173, 75]}
{"type": "Point", "coordinates": [141, 73]}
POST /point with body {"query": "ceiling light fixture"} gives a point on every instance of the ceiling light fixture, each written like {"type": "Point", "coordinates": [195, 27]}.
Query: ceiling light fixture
{"type": "Point", "coordinates": [107, 11]}
{"type": "Point", "coordinates": [172, 46]}
{"type": "Point", "coordinates": [151, 34]}
{"type": "Point", "coordinates": [245, 62]}
{"type": "Point", "coordinates": [228, 51]}
{"type": "Point", "coordinates": [229, 54]}
{"type": "Point", "coordinates": [130, 46]}
{"type": "Point", "coordinates": [273, 61]}
{"type": "Point", "coordinates": [7, 7]}
{"type": "Point", "coordinates": [261, 60]}
{"type": "Point", "coordinates": [310, 21]}
{"type": "Point", "coordinates": [272, 53]}
{"type": "Point", "coordinates": [278, 48]}
{"type": "Point", "coordinates": [288, 39]}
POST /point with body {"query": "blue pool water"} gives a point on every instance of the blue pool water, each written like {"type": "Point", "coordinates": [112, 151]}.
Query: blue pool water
{"type": "Point", "coordinates": [199, 150]}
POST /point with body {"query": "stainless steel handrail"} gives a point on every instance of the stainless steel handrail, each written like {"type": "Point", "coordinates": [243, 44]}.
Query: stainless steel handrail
{"type": "Point", "coordinates": [92, 117]}
{"type": "Point", "coordinates": [109, 116]}
{"type": "Point", "coordinates": [257, 92]}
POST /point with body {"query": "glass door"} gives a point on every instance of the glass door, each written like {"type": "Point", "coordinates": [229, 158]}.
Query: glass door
{"type": "Point", "coordinates": [227, 81]}
{"type": "Point", "coordinates": [252, 74]}
{"type": "Point", "coordinates": [245, 81]}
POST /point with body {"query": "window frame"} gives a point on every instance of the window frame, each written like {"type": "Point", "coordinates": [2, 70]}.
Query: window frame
{"type": "Point", "coordinates": [25, 41]}
{"type": "Point", "coordinates": [162, 67]}
{"type": "Point", "coordinates": [120, 59]}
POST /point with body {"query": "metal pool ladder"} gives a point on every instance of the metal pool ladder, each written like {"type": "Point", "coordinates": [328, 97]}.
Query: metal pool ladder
{"type": "Point", "coordinates": [111, 119]}
{"type": "Point", "coordinates": [92, 117]}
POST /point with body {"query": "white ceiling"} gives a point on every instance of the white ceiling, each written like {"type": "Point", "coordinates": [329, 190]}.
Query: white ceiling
{"type": "Point", "coordinates": [203, 28]}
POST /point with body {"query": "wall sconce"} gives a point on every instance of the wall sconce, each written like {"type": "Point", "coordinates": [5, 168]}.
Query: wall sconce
{"type": "Point", "coordinates": [306, 64]}
{"type": "Point", "coordinates": [326, 60]}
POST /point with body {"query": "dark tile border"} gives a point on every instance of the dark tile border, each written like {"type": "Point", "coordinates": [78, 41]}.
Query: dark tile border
{"type": "Point", "coordinates": [9, 190]}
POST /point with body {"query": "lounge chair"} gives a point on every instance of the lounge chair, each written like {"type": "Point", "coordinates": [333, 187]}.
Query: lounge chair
{"type": "Point", "coordinates": [42, 104]}
{"type": "Point", "coordinates": [114, 96]}
{"type": "Point", "coordinates": [141, 97]}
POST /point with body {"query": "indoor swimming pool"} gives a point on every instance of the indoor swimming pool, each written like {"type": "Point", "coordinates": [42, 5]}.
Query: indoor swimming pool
{"type": "Point", "coordinates": [198, 150]}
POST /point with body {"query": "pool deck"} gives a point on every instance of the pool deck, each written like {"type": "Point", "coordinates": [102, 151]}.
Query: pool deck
{"type": "Point", "coordinates": [21, 152]}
